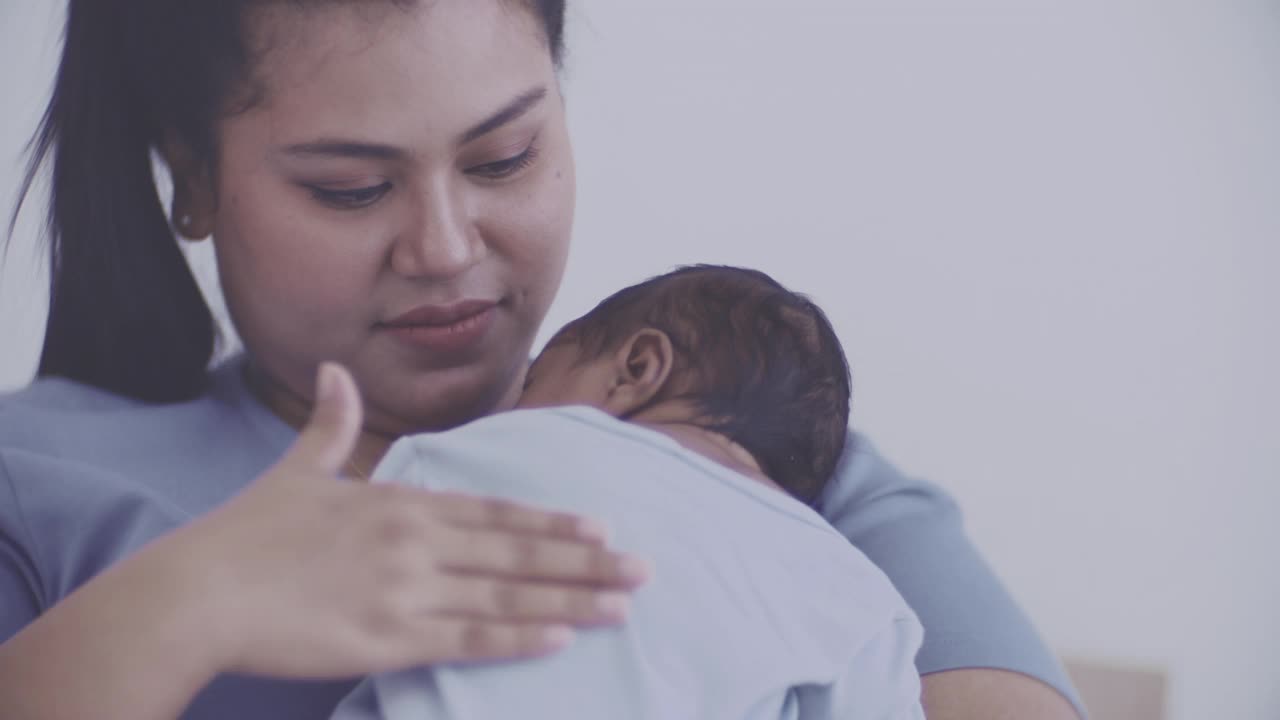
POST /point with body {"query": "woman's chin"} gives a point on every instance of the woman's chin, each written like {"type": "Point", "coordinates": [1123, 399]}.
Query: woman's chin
{"type": "Point", "coordinates": [437, 400]}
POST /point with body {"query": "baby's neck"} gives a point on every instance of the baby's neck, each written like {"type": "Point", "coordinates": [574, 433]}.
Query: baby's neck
{"type": "Point", "coordinates": [681, 427]}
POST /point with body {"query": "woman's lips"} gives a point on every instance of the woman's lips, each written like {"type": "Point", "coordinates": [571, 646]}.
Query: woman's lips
{"type": "Point", "coordinates": [444, 328]}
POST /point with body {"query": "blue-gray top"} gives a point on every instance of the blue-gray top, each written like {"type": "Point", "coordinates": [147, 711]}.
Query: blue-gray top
{"type": "Point", "coordinates": [87, 478]}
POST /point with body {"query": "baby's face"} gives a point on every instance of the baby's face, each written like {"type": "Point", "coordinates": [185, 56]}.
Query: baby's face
{"type": "Point", "coordinates": [559, 376]}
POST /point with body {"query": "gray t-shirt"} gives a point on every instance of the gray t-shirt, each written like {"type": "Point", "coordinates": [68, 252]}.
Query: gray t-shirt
{"type": "Point", "coordinates": [87, 477]}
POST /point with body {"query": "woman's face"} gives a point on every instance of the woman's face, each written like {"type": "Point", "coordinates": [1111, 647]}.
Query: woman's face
{"type": "Point", "coordinates": [400, 199]}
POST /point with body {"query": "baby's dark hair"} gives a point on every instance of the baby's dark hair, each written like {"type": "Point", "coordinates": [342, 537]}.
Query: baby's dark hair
{"type": "Point", "coordinates": [762, 364]}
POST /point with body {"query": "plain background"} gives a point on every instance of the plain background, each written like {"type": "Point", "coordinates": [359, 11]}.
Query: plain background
{"type": "Point", "coordinates": [1046, 231]}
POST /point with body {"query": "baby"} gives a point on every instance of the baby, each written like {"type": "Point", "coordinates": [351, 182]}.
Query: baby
{"type": "Point", "coordinates": [682, 412]}
{"type": "Point", "coordinates": [723, 360]}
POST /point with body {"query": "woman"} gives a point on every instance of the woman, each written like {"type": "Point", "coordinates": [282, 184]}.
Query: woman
{"type": "Point", "coordinates": [391, 188]}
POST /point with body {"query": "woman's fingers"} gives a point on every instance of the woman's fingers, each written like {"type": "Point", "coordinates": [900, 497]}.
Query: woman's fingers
{"type": "Point", "coordinates": [415, 577]}
{"type": "Point", "coordinates": [533, 557]}
{"type": "Point", "coordinates": [466, 640]}
{"type": "Point", "coordinates": [453, 640]}
{"type": "Point", "coordinates": [493, 514]}
{"type": "Point", "coordinates": [326, 443]}
{"type": "Point", "coordinates": [516, 601]}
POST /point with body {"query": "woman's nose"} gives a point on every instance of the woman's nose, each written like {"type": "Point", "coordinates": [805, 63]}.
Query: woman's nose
{"type": "Point", "coordinates": [441, 240]}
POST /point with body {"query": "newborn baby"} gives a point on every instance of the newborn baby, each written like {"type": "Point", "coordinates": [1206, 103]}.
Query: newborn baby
{"type": "Point", "coordinates": [681, 412]}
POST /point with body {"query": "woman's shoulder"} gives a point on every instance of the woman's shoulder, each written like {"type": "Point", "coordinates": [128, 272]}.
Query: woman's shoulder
{"type": "Point", "coordinates": [53, 395]}
{"type": "Point", "coordinates": [56, 412]}
{"type": "Point", "coordinates": [868, 491]}
{"type": "Point", "coordinates": [57, 417]}
{"type": "Point", "coordinates": [87, 476]}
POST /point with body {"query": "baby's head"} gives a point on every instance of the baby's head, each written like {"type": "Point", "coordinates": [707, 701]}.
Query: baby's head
{"type": "Point", "coordinates": [726, 349]}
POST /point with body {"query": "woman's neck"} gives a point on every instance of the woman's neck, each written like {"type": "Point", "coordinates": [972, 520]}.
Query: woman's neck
{"type": "Point", "coordinates": [295, 411]}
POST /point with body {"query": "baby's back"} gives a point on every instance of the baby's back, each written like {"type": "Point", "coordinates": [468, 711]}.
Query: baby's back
{"type": "Point", "coordinates": [757, 608]}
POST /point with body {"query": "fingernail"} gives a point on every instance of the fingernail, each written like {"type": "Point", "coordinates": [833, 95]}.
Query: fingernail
{"type": "Point", "coordinates": [557, 637]}
{"type": "Point", "coordinates": [324, 382]}
{"type": "Point", "coordinates": [613, 605]}
{"type": "Point", "coordinates": [635, 569]}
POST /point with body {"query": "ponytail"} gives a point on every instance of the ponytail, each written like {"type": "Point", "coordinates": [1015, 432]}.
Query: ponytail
{"type": "Point", "coordinates": [125, 312]}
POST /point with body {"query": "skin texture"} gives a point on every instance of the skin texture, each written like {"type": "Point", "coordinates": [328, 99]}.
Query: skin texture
{"type": "Point", "coordinates": [985, 694]}
{"type": "Point", "coordinates": [437, 220]}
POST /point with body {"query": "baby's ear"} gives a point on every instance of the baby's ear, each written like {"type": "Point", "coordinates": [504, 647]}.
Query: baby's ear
{"type": "Point", "coordinates": [642, 367]}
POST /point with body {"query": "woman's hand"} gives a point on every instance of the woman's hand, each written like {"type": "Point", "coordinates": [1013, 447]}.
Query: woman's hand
{"type": "Point", "coordinates": [304, 575]}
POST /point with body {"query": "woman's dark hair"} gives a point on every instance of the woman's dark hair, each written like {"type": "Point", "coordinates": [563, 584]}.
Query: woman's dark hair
{"type": "Point", "coordinates": [761, 363]}
{"type": "Point", "coordinates": [125, 313]}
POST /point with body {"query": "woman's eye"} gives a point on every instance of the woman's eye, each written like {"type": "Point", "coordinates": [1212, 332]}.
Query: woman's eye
{"type": "Point", "coordinates": [352, 199]}
{"type": "Point", "coordinates": [506, 168]}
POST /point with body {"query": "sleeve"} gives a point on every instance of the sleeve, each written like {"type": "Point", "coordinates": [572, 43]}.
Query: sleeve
{"type": "Point", "coordinates": [19, 584]}
{"type": "Point", "coordinates": [914, 531]}
{"type": "Point", "coordinates": [878, 684]}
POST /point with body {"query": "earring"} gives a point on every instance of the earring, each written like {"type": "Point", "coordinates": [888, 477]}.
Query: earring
{"type": "Point", "coordinates": [182, 223]}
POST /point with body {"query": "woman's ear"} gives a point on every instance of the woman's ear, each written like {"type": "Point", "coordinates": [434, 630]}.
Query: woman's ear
{"type": "Point", "coordinates": [641, 369]}
{"type": "Point", "coordinates": [193, 194]}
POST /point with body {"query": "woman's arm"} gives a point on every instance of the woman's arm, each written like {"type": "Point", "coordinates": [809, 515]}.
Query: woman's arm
{"type": "Point", "coordinates": [138, 641]}
{"type": "Point", "coordinates": [267, 585]}
{"type": "Point", "coordinates": [984, 694]}
{"type": "Point", "coordinates": [982, 657]}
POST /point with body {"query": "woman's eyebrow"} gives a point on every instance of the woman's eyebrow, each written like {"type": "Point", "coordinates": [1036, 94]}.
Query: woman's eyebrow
{"type": "Point", "coordinates": [346, 148]}
{"type": "Point", "coordinates": [377, 151]}
{"type": "Point", "coordinates": [513, 111]}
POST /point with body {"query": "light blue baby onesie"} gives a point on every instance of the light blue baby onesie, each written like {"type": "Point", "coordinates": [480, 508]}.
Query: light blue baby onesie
{"type": "Point", "coordinates": [758, 610]}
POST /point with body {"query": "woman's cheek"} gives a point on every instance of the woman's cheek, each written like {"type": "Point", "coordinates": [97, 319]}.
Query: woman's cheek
{"type": "Point", "coordinates": [542, 232]}
{"type": "Point", "coordinates": [294, 276]}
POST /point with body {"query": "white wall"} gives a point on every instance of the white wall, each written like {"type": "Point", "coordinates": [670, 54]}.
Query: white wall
{"type": "Point", "coordinates": [1047, 232]}
{"type": "Point", "coordinates": [28, 53]}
